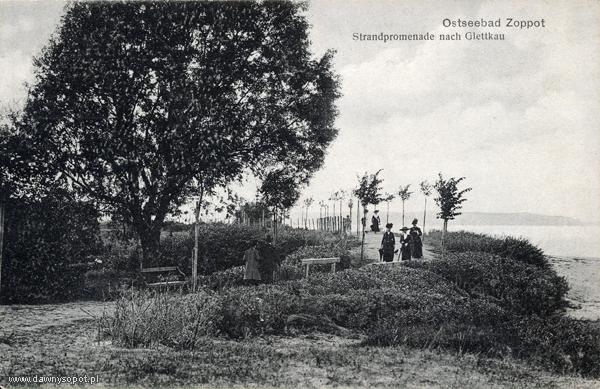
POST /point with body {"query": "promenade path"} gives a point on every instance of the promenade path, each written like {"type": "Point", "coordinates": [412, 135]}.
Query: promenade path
{"type": "Point", "coordinates": [373, 242]}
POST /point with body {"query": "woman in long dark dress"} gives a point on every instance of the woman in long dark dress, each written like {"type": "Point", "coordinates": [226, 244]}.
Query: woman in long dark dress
{"type": "Point", "coordinates": [388, 243]}
{"type": "Point", "coordinates": [405, 245]}
{"type": "Point", "coordinates": [416, 244]}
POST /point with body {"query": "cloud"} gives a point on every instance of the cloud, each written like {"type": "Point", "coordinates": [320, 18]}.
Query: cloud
{"type": "Point", "coordinates": [519, 118]}
{"type": "Point", "coordinates": [16, 69]}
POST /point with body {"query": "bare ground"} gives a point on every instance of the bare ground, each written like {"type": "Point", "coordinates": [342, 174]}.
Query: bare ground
{"type": "Point", "coordinates": [65, 344]}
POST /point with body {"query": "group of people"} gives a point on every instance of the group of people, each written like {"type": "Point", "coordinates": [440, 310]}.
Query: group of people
{"type": "Point", "coordinates": [262, 260]}
{"type": "Point", "coordinates": [411, 245]}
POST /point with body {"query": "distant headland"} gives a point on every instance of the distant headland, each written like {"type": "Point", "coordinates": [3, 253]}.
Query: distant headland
{"type": "Point", "coordinates": [494, 218]}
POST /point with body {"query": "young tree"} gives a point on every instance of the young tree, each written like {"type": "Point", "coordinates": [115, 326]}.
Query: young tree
{"type": "Point", "coordinates": [139, 104]}
{"type": "Point", "coordinates": [368, 192]}
{"type": "Point", "coordinates": [341, 198]}
{"type": "Point", "coordinates": [388, 197]}
{"type": "Point", "coordinates": [307, 203]}
{"type": "Point", "coordinates": [426, 189]}
{"type": "Point", "coordinates": [322, 205]}
{"type": "Point", "coordinates": [404, 195]}
{"type": "Point", "coordinates": [449, 199]}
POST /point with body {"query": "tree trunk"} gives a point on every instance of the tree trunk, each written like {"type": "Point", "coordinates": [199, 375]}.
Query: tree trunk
{"type": "Point", "coordinates": [444, 231]}
{"type": "Point", "coordinates": [403, 223]}
{"type": "Point", "coordinates": [362, 244]}
{"type": "Point", "coordinates": [424, 216]}
{"type": "Point", "coordinates": [341, 219]}
{"type": "Point", "coordinates": [357, 218]}
{"type": "Point", "coordinates": [274, 224]}
{"type": "Point", "coordinates": [150, 242]}
{"type": "Point", "coordinates": [196, 237]}
{"type": "Point", "coordinates": [320, 218]}
{"type": "Point", "coordinates": [387, 212]}
{"type": "Point", "coordinates": [333, 220]}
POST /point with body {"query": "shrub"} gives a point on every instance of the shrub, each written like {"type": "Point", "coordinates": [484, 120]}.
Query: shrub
{"type": "Point", "coordinates": [120, 254]}
{"type": "Point", "coordinates": [519, 249]}
{"type": "Point", "coordinates": [223, 279]}
{"type": "Point", "coordinates": [421, 305]}
{"type": "Point", "coordinates": [560, 343]}
{"type": "Point", "coordinates": [251, 311]}
{"type": "Point", "coordinates": [43, 240]}
{"type": "Point", "coordinates": [222, 245]}
{"type": "Point", "coordinates": [520, 287]}
{"type": "Point", "coordinates": [148, 318]}
{"type": "Point", "coordinates": [106, 284]}
{"type": "Point", "coordinates": [320, 251]}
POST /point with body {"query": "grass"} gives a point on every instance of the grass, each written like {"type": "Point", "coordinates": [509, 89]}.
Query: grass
{"type": "Point", "coordinates": [458, 322]}
{"type": "Point", "coordinates": [311, 360]}
{"type": "Point", "coordinates": [427, 306]}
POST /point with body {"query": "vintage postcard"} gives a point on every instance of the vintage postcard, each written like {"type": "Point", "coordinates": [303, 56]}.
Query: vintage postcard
{"type": "Point", "coordinates": [321, 193]}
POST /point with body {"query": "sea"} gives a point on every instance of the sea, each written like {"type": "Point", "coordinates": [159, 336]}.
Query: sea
{"type": "Point", "coordinates": [562, 241]}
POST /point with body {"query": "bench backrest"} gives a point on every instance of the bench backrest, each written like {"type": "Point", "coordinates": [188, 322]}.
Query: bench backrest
{"type": "Point", "coordinates": [314, 261]}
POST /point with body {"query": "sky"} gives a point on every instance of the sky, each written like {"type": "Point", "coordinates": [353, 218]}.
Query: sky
{"type": "Point", "coordinates": [518, 118]}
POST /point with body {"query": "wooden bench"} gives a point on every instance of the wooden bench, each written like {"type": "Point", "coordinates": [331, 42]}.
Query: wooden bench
{"type": "Point", "coordinates": [164, 269]}
{"type": "Point", "coordinates": [320, 261]}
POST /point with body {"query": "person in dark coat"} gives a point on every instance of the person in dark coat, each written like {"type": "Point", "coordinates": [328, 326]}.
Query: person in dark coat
{"type": "Point", "coordinates": [375, 221]}
{"type": "Point", "coordinates": [269, 259]}
{"type": "Point", "coordinates": [388, 243]}
{"type": "Point", "coordinates": [405, 245]}
{"type": "Point", "coordinates": [252, 259]}
{"type": "Point", "coordinates": [416, 244]}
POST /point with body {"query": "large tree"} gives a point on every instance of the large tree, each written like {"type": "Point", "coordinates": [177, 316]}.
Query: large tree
{"type": "Point", "coordinates": [142, 104]}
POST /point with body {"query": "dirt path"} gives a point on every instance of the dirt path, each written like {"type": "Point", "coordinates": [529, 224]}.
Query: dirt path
{"type": "Point", "coordinates": [15, 319]}
{"type": "Point", "coordinates": [373, 242]}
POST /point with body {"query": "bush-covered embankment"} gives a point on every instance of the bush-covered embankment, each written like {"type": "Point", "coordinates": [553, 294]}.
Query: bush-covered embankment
{"type": "Point", "coordinates": [469, 301]}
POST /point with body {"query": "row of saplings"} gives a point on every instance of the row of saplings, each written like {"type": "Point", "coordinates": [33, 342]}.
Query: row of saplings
{"type": "Point", "coordinates": [469, 301]}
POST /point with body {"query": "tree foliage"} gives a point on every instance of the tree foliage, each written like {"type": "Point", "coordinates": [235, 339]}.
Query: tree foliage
{"type": "Point", "coordinates": [450, 197]}
{"type": "Point", "coordinates": [369, 189]}
{"type": "Point", "coordinates": [426, 188]}
{"type": "Point", "coordinates": [388, 197]}
{"type": "Point", "coordinates": [139, 103]}
{"type": "Point", "coordinates": [253, 210]}
{"type": "Point", "coordinates": [280, 189]}
{"type": "Point", "coordinates": [404, 192]}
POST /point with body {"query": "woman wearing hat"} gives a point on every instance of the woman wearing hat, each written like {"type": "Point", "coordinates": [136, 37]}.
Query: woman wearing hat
{"type": "Point", "coordinates": [388, 243]}
{"type": "Point", "coordinates": [405, 248]}
{"type": "Point", "coordinates": [416, 244]}
{"type": "Point", "coordinates": [375, 221]}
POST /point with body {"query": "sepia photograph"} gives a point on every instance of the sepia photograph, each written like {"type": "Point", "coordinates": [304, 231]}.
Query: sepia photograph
{"type": "Point", "coordinates": [300, 194]}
